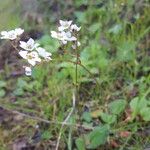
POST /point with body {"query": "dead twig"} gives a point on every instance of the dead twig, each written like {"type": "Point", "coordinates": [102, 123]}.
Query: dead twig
{"type": "Point", "coordinates": [66, 120]}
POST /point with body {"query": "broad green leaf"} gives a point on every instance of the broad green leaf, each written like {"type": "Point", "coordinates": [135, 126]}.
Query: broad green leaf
{"type": "Point", "coordinates": [81, 16]}
{"type": "Point", "coordinates": [94, 27]}
{"type": "Point", "coordinates": [98, 137]}
{"type": "Point", "coordinates": [21, 83]}
{"type": "Point", "coordinates": [87, 116]}
{"type": "Point", "coordinates": [18, 92]}
{"type": "Point", "coordinates": [2, 93]}
{"type": "Point", "coordinates": [117, 107]}
{"type": "Point", "coordinates": [145, 113]}
{"type": "Point", "coordinates": [2, 84]}
{"type": "Point", "coordinates": [136, 105]}
{"type": "Point", "coordinates": [107, 118]}
{"type": "Point", "coordinates": [80, 144]}
{"type": "Point", "coordinates": [125, 51]}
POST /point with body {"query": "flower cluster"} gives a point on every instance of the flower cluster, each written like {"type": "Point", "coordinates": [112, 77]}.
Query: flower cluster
{"type": "Point", "coordinates": [31, 51]}
{"type": "Point", "coordinates": [67, 32]}
{"type": "Point", "coordinates": [11, 35]}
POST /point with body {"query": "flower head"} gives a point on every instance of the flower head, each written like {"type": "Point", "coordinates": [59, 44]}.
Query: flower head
{"type": "Point", "coordinates": [43, 53]}
{"type": "Point", "coordinates": [12, 34]}
{"type": "Point", "coordinates": [75, 27]}
{"type": "Point", "coordinates": [29, 45]}
{"type": "Point", "coordinates": [19, 31]}
{"type": "Point", "coordinates": [32, 57]}
{"type": "Point", "coordinates": [66, 32]}
{"type": "Point", "coordinates": [64, 25]}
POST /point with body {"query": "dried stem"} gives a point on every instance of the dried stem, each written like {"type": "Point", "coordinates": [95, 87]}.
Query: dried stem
{"type": "Point", "coordinates": [66, 120]}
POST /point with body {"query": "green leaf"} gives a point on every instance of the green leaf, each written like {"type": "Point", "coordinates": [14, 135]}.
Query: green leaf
{"type": "Point", "coordinates": [125, 51]}
{"type": "Point", "coordinates": [2, 84]}
{"type": "Point", "coordinates": [87, 116]}
{"type": "Point", "coordinates": [94, 27]}
{"type": "Point", "coordinates": [107, 118]}
{"type": "Point", "coordinates": [21, 83]}
{"type": "Point", "coordinates": [18, 92]}
{"type": "Point", "coordinates": [80, 144]}
{"type": "Point", "coordinates": [145, 113]}
{"type": "Point", "coordinates": [136, 105]}
{"type": "Point", "coordinates": [46, 135]}
{"type": "Point", "coordinates": [117, 107]}
{"type": "Point", "coordinates": [2, 93]}
{"type": "Point", "coordinates": [98, 137]}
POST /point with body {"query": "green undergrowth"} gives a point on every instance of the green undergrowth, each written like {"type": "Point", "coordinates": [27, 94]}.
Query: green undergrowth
{"type": "Point", "coordinates": [114, 37]}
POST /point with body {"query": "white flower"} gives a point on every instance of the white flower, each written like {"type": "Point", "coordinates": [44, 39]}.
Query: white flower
{"type": "Point", "coordinates": [57, 35]}
{"type": "Point", "coordinates": [68, 36]}
{"type": "Point", "coordinates": [28, 71]}
{"type": "Point", "coordinates": [43, 53]}
{"type": "Point", "coordinates": [19, 31]}
{"type": "Point", "coordinates": [64, 25]}
{"type": "Point", "coordinates": [63, 36]}
{"type": "Point", "coordinates": [32, 57]}
{"type": "Point", "coordinates": [75, 27]}
{"type": "Point", "coordinates": [11, 35]}
{"type": "Point", "coordinates": [29, 45]}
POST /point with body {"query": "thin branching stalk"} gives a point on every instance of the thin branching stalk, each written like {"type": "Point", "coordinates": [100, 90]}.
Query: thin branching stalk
{"type": "Point", "coordinates": [80, 64]}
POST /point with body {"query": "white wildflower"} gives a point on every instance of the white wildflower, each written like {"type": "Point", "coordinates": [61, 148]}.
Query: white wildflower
{"type": "Point", "coordinates": [63, 36]}
{"type": "Point", "coordinates": [64, 25]}
{"type": "Point", "coordinates": [43, 53]}
{"type": "Point", "coordinates": [29, 45]}
{"type": "Point", "coordinates": [32, 57]}
{"type": "Point", "coordinates": [57, 35]}
{"type": "Point", "coordinates": [12, 34]}
{"type": "Point", "coordinates": [19, 31]}
{"type": "Point", "coordinates": [69, 37]}
{"type": "Point", "coordinates": [75, 27]}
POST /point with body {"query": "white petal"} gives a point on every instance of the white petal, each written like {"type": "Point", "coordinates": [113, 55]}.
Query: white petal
{"type": "Point", "coordinates": [23, 54]}
{"type": "Point", "coordinates": [78, 43]}
{"type": "Point", "coordinates": [4, 33]}
{"type": "Point", "coordinates": [64, 42]}
{"type": "Point", "coordinates": [75, 27]}
{"type": "Point", "coordinates": [54, 34]}
{"type": "Point", "coordinates": [28, 71]}
{"type": "Point", "coordinates": [32, 62]}
{"type": "Point", "coordinates": [30, 42]}
{"type": "Point", "coordinates": [23, 44]}
{"type": "Point", "coordinates": [36, 45]}
{"type": "Point", "coordinates": [37, 59]}
{"type": "Point", "coordinates": [19, 31]}
{"type": "Point", "coordinates": [61, 28]}
{"type": "Point", "coordinates": [72, 38]}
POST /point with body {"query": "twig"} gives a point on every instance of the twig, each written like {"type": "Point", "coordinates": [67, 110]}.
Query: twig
{"type": "Point", "coordinates": [66, 120]}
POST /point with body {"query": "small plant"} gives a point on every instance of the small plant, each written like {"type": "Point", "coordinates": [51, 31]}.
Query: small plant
{"type": "Point", "coordinates": [32, 52]}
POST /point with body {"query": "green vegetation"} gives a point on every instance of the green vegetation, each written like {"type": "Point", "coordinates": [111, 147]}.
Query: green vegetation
{"type": "Point", "coordinates": [113, 114]}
